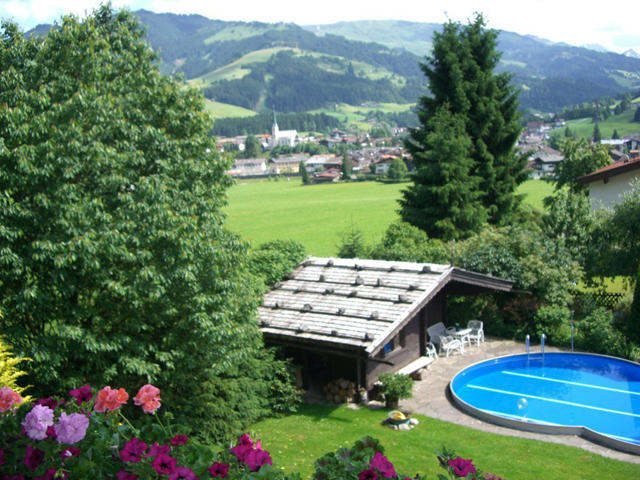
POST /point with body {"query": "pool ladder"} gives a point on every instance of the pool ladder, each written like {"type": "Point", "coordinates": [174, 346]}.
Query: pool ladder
{"type": "Point", "coordinates": [527, 342]}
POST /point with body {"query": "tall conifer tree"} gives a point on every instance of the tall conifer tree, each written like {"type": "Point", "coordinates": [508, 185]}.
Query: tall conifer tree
{"type": "Point", "coordinates": [461, 75]}
{"type": "Point", "coordinates": [445, 200]}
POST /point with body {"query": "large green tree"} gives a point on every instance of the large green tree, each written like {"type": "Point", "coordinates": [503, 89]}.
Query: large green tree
{"type": "Point", "coordinates": [580, 158]}
{"type": "Point", "coordinates": [116, 266]}
{"type": "Point", "coordinates": [461, 75]}
{"type": "Point", "coordinates": [445, 200]}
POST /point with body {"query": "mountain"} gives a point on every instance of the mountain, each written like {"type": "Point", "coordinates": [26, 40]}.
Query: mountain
{"type": "Point", "coordinates": [551, 75]}
{"type": "Point", "coordinates": [631, 53]}
{"type": "Point", "coordinates": [282, 66]}
{"type": "Point", "coordinates": [596, 47]}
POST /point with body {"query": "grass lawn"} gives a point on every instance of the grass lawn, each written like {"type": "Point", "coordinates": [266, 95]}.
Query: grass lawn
{"type": "Point", "coordinates": [316, 215]}
{"type": "Point", "coordinates": [296, 441]}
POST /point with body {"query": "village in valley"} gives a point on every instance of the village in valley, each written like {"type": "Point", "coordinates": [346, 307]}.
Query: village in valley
{"type": "Point", "coordinates": [372, 157]}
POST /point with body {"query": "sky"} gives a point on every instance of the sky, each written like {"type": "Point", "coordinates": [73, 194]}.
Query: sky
{"type": "Point", "coordinates": [613, 26]}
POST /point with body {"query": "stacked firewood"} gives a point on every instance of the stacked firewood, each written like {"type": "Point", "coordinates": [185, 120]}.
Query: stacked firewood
{"type": "Point", "coordinates": [340, 391]}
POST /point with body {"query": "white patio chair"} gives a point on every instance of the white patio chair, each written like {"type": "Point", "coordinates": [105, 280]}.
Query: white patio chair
{"type": "Point", "coordinates": [449, 344]}
{"type": "Point", "coordinates": [477, 330]}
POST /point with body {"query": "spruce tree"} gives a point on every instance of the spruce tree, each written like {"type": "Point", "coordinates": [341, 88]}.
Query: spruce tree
{"type": "Point", "coordinates": [615, 134]}
{"type": "Point", "coordinates": [445, 200]}
{"type": "Point", "coordinates": [636, 116]}
{"type": "Point", "coordinates": [346, 166]}
{"type": "Point", "coordinates": [461, 75]}
{"type": "Point", "coordinates": [597, 136]}
{"type": "Point", "coordinates": [305, 175]}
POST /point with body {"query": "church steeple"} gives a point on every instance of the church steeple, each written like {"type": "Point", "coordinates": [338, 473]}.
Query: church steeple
{"type": "Point", "coordinates": [274, 130]}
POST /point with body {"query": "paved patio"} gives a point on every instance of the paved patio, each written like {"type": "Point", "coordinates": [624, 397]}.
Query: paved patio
{"type": "Point", "coordinates": [431, 397]}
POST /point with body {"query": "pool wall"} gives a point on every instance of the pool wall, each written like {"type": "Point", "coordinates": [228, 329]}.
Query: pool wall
{"type": "Point", "coordinates": [581, 431]}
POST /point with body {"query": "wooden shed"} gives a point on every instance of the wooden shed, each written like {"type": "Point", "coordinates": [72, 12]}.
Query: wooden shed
{"type": "Point", "coordinates": [356, 319]}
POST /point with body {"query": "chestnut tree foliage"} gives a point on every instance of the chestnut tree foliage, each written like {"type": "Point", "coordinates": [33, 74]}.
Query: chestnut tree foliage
{"type": "Point", "coordinates": [116, 267]}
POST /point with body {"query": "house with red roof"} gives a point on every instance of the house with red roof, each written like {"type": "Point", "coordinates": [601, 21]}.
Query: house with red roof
{"type": "Point", "coordinates": [608, 184]}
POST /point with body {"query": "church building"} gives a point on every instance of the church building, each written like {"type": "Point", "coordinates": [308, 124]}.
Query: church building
{"type": "Point", "coordinates": [282, 137]}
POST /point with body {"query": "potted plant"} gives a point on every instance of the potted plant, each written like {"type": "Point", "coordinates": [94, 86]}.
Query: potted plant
{"type": "Point", "coordinates": [395, 386]}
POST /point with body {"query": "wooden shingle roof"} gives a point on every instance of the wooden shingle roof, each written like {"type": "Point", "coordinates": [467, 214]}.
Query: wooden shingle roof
{"type": "Point", "coordinates": [354, 303]}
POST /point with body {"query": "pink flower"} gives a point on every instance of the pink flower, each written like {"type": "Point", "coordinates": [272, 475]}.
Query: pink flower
{"type": "Point", "coordinates": [109, 399]}
{"type": "Point", "coordinates": [33, 458]}
{"type": "Point", "coordinates": [384, 466]}
{"type": "Point", "coordinates": [368, 474]}
{"type": "Point", "coordinates": [124, 475]}
{"type": "Point", "coordinates": [182, 473]}
{"type": "Point", "coordinates": [148, 397]}
{"type": "Point", "coordinates": [71, 428]}
{"type": "Point", "coordinates": [36, 422]}
{"type": "Point", "coordinates": [82, 394]}
{"type": "Point", "coordinates": [164, 464]}
{"type": "Point", "coordinates": [461, 467]}
{"type": "Point", "coordinates": [8, 399]}
{"type": "Point", "coordinates": [179, 440]}
{"type": "Point", "coordinates": [133, 450]}
{"type": "Point", "coordinates": [219, 470]}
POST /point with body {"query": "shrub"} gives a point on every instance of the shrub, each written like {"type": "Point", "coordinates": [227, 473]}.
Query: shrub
{"type": "Point", "coordinates": [9, 372]}
{"type": "Point", "coordinates": [550, 320]}
{"type": "Point", "coordinates": [271, 261]}
{"type": "Point", "coordinates": [396, 386]}
{"type": "Point", "coordinates": [596, 333]}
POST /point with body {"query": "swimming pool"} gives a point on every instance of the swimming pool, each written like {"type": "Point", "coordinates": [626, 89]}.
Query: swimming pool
{"type": "Point", "coordinates": [595, 396]}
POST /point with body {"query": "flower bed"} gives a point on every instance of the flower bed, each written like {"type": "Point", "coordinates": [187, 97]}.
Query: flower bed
{"type": "Point", "coordinates": [88, 436]}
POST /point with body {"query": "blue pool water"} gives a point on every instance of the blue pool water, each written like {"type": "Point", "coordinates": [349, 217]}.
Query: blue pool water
{"type": "Point", "coordinates": [568, 389]}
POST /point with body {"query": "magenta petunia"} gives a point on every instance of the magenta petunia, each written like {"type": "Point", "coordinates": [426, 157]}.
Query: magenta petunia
{"type": "Point", "coordinates": [368, 474]}
{"type": "Point", "coordinates": [47, 402]}
{"type": "Point", "coordinates": [241, 451]}
{"type": "Point", "coordinates": [384, 466]}
{"type": "Point", "coordinates": [124, 475]}
{"type": "Point", "coordinates": [69, 452]}
{"type": "Point", "coordinates": [53, 474]}
{"type": "Point", "coordinates": [72, 428]}
{"type": "Point", "coordinates": [461, 467]}
{"type": "Point", "coordinates": [1, 457]}
{"type": "Point", "coordinates": [219, 470]}
{"type": "Point", "coordinates": [179, 440]}
{"type": "Point", "coordinates": [33, 458]}
{"type": "Point", "coordinates": [164, 464]}
{"type": "Point", "coordinates": [255, 459]}
{"type": "Point", "coordinates": [82, 394]}
{"type": "Point", "coordinates": [35, 422]}
{"type": "Point", "coordinates": [156, 449]}
{"type": "Point", "coordinates": [133, 450]}
{"type": "Point", "coordinates": [182, 473]}
{"type": "Point", "coordinates": [51, 432]}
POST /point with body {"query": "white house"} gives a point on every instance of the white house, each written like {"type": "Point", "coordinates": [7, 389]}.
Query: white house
{"type": "Point", "coordinates": [607, 184]}
{"type": "Point", "coordinates": [318, 163]}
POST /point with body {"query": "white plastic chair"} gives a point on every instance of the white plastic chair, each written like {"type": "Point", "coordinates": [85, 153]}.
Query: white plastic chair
{"type": "Point", "coordinates": [449, 344]}
{"type": "Point", "coordinates": [477, 330]}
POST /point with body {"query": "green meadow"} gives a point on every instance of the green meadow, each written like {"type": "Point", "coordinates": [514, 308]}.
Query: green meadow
{"type": "Point", "coordinates": [297, 440]}
{"type": "Point", "coordinates": [623, 123]}
{"type": "Point", "coordinates": [317, 215]}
